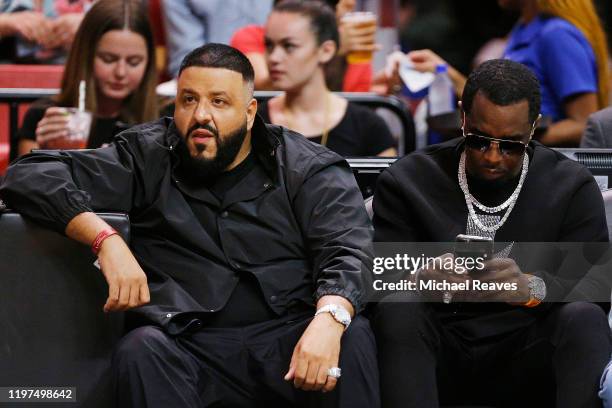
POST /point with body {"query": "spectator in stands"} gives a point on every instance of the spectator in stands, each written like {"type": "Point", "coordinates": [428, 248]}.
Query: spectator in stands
{"type": "Point", "coordinates": [301, 38]}
{"type": "Point", "coordinates": [241, 230]}
{"type": "Point", "coordinates": [598, 132]}
{"type": "Point", "coordinates": [39, 31]}
{"type": "Point", "coordinates": [494, 182]}
{"type": "Point", "coordinates": [190, 23]}
{"type": "Point", "coordinates": [563, 42]}
{"type": "Point", "coordinates": [340, 75]}
{"type": "Point", "coordinates": [113, 53]}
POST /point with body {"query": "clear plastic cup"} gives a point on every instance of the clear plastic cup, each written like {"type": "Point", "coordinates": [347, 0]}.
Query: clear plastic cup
{"type": "Point", "coordinates": [79, 125]}
{"type": "Point", "coordinates": [359, 19]}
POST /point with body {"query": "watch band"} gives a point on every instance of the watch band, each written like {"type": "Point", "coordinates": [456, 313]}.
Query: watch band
{"type": "Point", "coordinates": [537, 291]}
{"type": "Point", "coordinates": [338, 312]}
{"type": "Point", "coordinates": [532, 302]}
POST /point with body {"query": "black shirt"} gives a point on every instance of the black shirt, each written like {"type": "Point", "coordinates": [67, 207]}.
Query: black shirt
{"type": "Point", "coordinates": [103, 130]}
{"type": "Point", "coordinates": [246, 305]}
{"type": "Point", "coordinates": [361, 132]}
{"type": "Point", "coordinates": [418, 199]}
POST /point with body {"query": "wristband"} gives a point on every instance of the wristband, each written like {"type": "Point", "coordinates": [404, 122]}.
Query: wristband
{"type": "Point", "coordinates": [532, 302]}
{"type": "Point", "coordinates": [102, 235]}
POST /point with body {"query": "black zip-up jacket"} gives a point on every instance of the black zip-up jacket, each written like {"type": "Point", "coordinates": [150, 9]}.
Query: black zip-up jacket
{"type": "Point", "coordinates": [297, 222]}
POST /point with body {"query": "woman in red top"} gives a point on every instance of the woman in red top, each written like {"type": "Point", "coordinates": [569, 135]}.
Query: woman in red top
{"type": "Point", "coordinates": [355, 78]}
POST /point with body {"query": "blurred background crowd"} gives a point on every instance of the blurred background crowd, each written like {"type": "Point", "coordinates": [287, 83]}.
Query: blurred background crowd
{"type": "Point", "coordinates": [119, 59]}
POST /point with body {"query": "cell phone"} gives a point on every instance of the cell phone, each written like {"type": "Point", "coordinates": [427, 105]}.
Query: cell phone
{"type": "Point", "coordinates": [474, 250]}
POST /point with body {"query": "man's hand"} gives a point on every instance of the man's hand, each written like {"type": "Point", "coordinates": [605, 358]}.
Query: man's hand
{"type": "Point", "coordinates": [502, 270]}
{"type": "Point", "coordinates": [317, 351]}
{"type": "Point", "coordinates": [127, 282]}
{"type": "Point", "coordinates": [31, 25]}
{"type": "Point", "coordinates": [63, 30]}
{"type": "Point", "coordinates": [437, 272]}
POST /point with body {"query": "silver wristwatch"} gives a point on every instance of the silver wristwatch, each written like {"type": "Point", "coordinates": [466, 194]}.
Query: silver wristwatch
{"type": "Point", "coordinates": [339, 313]}
{"type": "Point", "coordinates": [537, 288]}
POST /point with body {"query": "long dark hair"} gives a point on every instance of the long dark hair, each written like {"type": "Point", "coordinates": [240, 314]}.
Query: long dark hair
{"type": "Point", "coordinates": [105, 16]}
{"type": "Point", "coordinates": [324, 26]}
{"type": "Point", "coordinates": [322, 18]}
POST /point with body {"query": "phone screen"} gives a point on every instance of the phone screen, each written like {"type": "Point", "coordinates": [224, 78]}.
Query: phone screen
{"type": "Point", "coordinates": [473, 250]}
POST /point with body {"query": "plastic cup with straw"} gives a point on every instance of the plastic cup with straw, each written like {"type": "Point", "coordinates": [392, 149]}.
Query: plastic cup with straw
{"type": "Point", "coordinates": [79, 123]}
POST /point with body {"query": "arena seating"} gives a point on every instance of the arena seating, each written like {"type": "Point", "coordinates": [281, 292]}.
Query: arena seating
{"type": "Point", "coordinates": [51, 296]}
{"type": "Point", "coordinates": [24, 77]}
{"type": "Point", "coordinates": [391, 107]}
{"type": "Point", "coordinates": [60, 336]}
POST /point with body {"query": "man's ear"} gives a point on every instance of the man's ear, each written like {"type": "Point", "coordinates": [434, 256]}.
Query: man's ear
{"type": "Point", "coordinates": [327, 51]}
{"type": "Point", "coordinates": [251, 112]}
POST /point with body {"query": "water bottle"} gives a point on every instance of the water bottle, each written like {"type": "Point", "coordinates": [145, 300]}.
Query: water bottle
{"type": "Point", "coordinates": [441, 93]}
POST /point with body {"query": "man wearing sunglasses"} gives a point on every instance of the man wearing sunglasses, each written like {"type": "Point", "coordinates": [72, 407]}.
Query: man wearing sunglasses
{"type": "Point", "coordinates": [514, 347]}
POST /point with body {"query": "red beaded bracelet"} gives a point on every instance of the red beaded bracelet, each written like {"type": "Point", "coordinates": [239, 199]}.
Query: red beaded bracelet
{"type": "Point", "coordinates": [102, 235]}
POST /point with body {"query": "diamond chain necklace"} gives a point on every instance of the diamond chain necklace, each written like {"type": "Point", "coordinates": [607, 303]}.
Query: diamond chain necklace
{"type": "Point", "coordinates": [470, 201]}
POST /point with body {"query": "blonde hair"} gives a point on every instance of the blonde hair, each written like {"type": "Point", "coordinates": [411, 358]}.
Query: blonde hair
{"type": "Point", "coordinates": [582, 14]}
{"type": "Point", "coordinates": [105, 16]}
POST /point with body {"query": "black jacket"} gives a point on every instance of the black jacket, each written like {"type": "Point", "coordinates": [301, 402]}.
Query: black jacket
{"type": "Point", "coordinates": [297, 223]}
{"type": "Point", "coordinates": [418, 199]}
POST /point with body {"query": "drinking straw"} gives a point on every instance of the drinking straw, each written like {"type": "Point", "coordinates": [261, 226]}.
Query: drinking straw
{"type": "Point", "coordinates": [82, 95]}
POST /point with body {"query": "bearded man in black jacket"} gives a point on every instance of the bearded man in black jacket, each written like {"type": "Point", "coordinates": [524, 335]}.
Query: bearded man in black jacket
{"type": "Point", "coordinates": [495, 182]}
{"type": "Point", "coordinates": [240, 233]}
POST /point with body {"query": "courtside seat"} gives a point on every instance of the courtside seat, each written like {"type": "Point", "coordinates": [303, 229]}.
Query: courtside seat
{"type": "Point", "coordinates": [607, 198]}
{"type": "Point", "coordinates": [54, 332]}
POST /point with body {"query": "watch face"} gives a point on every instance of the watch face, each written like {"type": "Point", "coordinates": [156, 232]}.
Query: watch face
{"type": "Point", "coordinates": [340, 314]}
{"type": "Point", "coordinates": [537, 288]}
{"type": "Point", "coordinates": [343, 316]}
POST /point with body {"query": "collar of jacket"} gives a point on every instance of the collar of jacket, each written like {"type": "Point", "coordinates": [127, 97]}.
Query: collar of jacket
{"type": "Point", "coordinates": [265, 140]}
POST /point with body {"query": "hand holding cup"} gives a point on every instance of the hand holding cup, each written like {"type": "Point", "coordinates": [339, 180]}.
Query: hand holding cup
{"type": "Point", "coordinates": [63, 128]}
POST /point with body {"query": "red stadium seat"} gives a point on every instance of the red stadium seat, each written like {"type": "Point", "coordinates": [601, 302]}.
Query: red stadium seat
{"type": "Point", "coordinates": [31, 76]}
{"type": "Point", "coordinates": [22, 76]}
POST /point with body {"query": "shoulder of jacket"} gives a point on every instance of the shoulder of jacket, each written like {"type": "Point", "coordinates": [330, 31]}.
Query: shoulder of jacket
{"type": "Point", "coordinates": [428, 156]}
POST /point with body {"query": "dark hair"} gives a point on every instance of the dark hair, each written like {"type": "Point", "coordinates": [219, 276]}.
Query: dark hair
{"type": "Point", "coordinates": [215, 55]}
{"type": "Point", "coordinates": [105, 16]}
{"type": "Point", "coordinates": [322, 18]}
{"type": "Point", "coordinates": [504, 83]}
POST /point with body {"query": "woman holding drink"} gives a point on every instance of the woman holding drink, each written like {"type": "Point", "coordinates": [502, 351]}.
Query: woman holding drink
{"type": "Point", "coordinates": [564, 44]}
{"type": "Point", "coordinates": [301, 39]}
{"type": "Point", "coordinates": [344, 73]}
{"type": "Point", "coordinates": [112, 72]}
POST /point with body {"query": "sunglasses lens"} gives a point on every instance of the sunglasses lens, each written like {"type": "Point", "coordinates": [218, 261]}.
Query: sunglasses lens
{"type": "Point", "coordinates": [511, 148]}
{"type": "Point", "coordinates": [482, 143]}
{"type": "Point", "coordinates": [477, 142]}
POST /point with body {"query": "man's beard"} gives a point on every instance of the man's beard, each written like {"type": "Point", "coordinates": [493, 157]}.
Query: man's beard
{"type": "Point", "coordinates": [198, 170]}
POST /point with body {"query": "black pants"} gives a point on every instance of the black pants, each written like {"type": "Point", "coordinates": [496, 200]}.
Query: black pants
{"type": "Point", "coordinates": [238, 367]}
{"type": "Point", "coordinates": [554, 361]}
